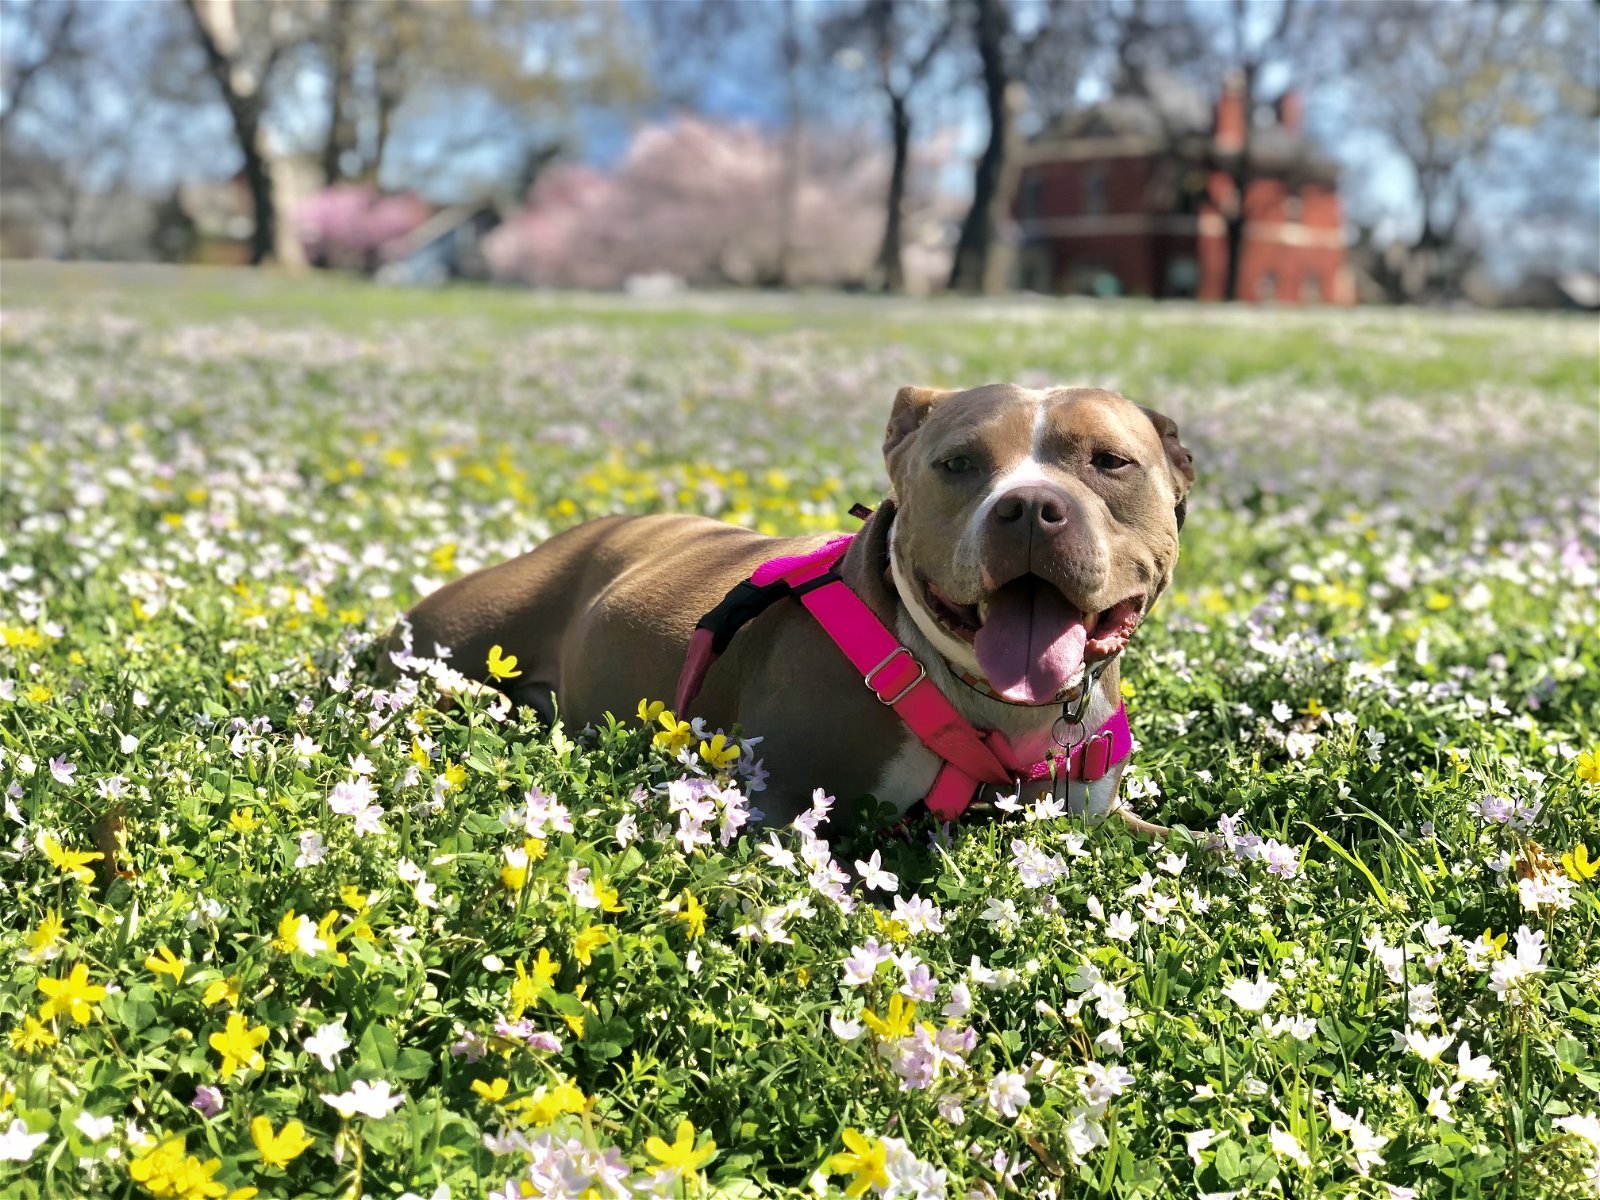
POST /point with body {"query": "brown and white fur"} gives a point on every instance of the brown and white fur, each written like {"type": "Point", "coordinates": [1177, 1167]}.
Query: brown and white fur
{"type": "Point", "coordinates": [1075, 489]}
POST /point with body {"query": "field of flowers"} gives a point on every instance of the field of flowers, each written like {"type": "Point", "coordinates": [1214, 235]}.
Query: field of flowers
{"type": "Point", "coordinates": [270, 928]}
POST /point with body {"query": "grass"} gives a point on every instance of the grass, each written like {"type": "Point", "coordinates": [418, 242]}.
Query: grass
{"type": "Point", "coordinates": [326, 940]}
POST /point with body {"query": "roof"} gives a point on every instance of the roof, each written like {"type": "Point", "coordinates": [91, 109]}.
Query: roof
{"type": "Point", "coordinates": [1162, 115]}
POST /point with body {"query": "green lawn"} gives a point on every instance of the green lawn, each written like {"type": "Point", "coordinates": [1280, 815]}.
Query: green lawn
{"type": "Point", "coordinates": [338, 943]}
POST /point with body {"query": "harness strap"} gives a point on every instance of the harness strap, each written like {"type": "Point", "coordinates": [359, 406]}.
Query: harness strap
{"type": "Point", "coordinates": [893, 674]}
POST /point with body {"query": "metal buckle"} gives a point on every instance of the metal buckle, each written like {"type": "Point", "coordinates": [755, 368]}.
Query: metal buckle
{"type": "Point", "coordinates": [922, 673]}
{"type": "Point", "coordinates": [1105, 766]}
{"type": "Point", "coordinates": [1068, 733]}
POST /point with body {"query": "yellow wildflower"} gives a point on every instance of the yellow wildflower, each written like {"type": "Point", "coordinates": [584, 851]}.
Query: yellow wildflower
{"type": "Point", "coordinates": [675, 734]}
{"type": "Point", "coordinates": [222, 989]}
{"type": "Point", "coordinates": [866, 1160]}
{"type": "Point", "coordinates": [1577, 864]}
{"type": "Point", "coordinates": [494, 1091]}
{"type": "Point", "coordinates": [455, 775]}
{"type": "Point", "coordinates": [239, 1045]}
{"type": "Point", "coordinates": [166, 1170]}
{"type": "Point", "coordinates": [525, 988]}
{"type": "Point", "coordinates": [547, 1103]}
{"type": "Point", "coordinates": [515, 873]}
{"type": "Point", "coordinates": [165, 962]}
{"type": "Point", "coordinates": [31, 1035]}
{"type": "Point", "coordinates": [607, 895]}
{"type": "Point", "coordinates": [901, 1017]}
{"type": "Point", "coordinates": [718, 753]}
{"type": "Point", "coordinates": [74, 995]}
{"type": "Point", "coordinates": [326, 932]}
{"type": "Point", "coordinates": [243, 820]}
{"type": "Point", "coordinates": [649, 710]}
{"type": "Point", "coordinates": [69, 862]}
{"type": "Point", "coordinates": [895, 931]}
{"type": "Point", "coordinates": [42, 941]}
{"type": "Point", "coordinates": [587, 942]}
{"type": "Point", "coordinates": [693, 915]}
{"type": "Point", "coordinates": [288, 939]}
{"type": "Point", "coordinates": [682, 1155]}
{"type": "Point", "coordinates": [502, 666]}
{"type": "Point", "coordinates": [1589, 767]}
{"type": "Point", "coordinates": [281, 1148]}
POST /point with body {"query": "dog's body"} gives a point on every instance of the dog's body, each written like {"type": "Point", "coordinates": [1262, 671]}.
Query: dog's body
{"type": "Point", "coordinates": [999, 517]}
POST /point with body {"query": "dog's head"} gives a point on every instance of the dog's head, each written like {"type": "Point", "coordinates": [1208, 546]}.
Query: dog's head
{"type": "Point", "coordinates": [1034, 529]}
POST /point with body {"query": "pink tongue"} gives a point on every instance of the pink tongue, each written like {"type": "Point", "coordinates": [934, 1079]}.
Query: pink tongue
{"type": "Point", "coordinates": [1031, 644]}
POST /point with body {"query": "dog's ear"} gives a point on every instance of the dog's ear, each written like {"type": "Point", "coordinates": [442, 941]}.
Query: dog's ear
{"type": "Point", "coordinates": [1178, 459]}
{"type": "Point", "coordinates": [911, 408]}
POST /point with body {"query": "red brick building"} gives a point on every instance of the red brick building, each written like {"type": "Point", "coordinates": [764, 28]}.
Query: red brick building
{"type": "Point", "coordinates": [1128, 198]}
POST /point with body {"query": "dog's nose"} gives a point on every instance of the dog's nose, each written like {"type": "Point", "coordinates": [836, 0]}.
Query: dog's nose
{"type": "Point", "coordinates": [1030, 508]}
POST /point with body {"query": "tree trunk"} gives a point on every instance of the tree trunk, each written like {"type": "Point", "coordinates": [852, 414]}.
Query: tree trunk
{"type": "Point", "coordinates": [341, 129]}
{"type": "Point", "coordinates": [258, 175]}
{"type": "Point", "coordinates": [789, 175]}
{"type": "Point", "coordinates": [385, 102]}
{"type": "Point", "coordinates": [890, 265]}
{"type": "Point", "coordinates": [244, 107]}
{"type": "Point", "coordinates": [1234, 229]}
{"type": "Point", "coordinates": [973, 269]}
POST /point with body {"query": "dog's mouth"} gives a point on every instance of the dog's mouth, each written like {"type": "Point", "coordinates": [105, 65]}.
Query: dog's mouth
{"type": "Point", "coordinates": [1030, 640]}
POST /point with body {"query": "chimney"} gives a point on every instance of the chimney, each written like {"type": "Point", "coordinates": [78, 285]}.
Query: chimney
{"type": "Point", "coordinates": [1230, 122]}
{"type": "Point", "coordinates": [1292, 111]}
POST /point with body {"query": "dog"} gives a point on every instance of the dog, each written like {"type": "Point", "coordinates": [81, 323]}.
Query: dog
{"type": "Point", "coordinates": [1025, 536]}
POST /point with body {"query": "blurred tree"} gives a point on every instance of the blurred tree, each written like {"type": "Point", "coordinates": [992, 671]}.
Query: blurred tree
{"type": "Point", "coordinates": [1491, 108]}
{"type": "Point", "coordinates": [768, 60]}
{"type": "Point", "coordinates": [698, 199]}
{"type": "Point", "coordinates": [528, 62]}
{"type": "Point", "coordinates": [1255, 56]}
{"type": "Point", "coordinates": [242, 60]}
{"type": "Point", "coordinates": [77, 117]}
{"type": "Point", "coordinates": [1006, 54]}
{"type": "Point", "coordinates": [38, 36]}
{"type": "Point", "coordinates": [1255, 45]}
{"type": "Point", "coordinates": [903, 40]}
{"type": "Point", "coordinates": [498, 67]}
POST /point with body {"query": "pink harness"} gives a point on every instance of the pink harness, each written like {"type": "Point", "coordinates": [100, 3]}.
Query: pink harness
{"type": "Point", "coordinates": [972, 758]}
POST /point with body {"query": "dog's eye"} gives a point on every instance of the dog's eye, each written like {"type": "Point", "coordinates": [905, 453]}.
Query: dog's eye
{"type": "Point", "coordinates": [956, 464]}
{"type": "Point", "coordinates": [1104, 460]}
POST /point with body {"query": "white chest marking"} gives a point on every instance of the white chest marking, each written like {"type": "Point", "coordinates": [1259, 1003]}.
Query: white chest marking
{"type": "Point", "coordinates": [908, 776]}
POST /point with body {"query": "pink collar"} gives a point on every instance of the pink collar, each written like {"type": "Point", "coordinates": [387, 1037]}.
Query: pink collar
{"type": "Point", "coordinates": [972, 758]}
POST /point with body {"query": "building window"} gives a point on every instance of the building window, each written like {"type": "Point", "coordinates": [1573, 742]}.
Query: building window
{"type": "Point", "coordinates": [1183, 278]}
{"type": "Point", "coordinates": [1267, 286]}
{"type": "Point", "coordinates": [1030, 201]}
{"type": "Point", "coordinates": [1311, 289]}
{"type": "Point", "coordinates": [1191, 193]}
{"type": "Point", "coordinates": [1036, 268]}
{"type": "Point", "coordinates": [1292, 209]}
{"type": "Point", "coordinates": [1093, 279]}
{"type": "Point", "coordinates": [1094, 192]}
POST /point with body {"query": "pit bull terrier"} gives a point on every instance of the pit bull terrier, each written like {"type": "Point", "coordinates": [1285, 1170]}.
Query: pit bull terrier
{"type": "Point", "coordinates": [1025, 536]}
